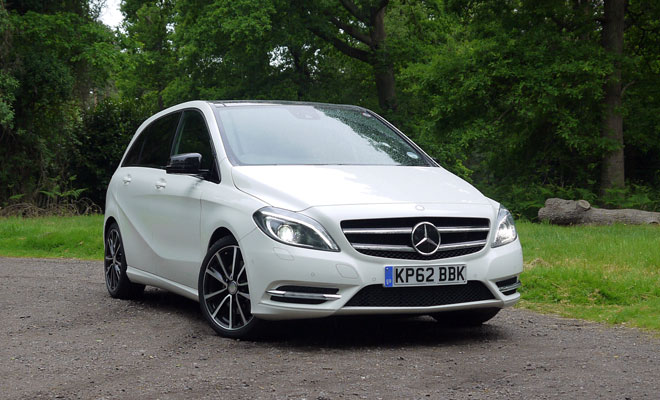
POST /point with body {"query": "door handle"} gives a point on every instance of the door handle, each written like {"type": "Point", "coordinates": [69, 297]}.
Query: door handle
{"type": "Point", "coordinates": [127, 179]}
{"type": "Point", "coordinates": [160, 184]}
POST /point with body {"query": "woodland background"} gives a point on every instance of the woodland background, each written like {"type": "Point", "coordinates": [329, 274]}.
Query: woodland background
{"type": "Point", "coordinates": [525, 99]}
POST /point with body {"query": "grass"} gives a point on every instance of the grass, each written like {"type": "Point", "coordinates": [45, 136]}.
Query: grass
{"type": "Point", "coordinates": [601, 273]}
{"type": "Point", "coordinates": [52, 237]}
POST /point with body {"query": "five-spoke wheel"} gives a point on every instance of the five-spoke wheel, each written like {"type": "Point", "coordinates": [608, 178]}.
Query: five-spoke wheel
{"type": "Point", "coordinates": [224, 293]}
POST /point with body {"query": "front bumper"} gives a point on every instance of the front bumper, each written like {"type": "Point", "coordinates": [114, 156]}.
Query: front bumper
{"type": "Point", "coordinates": [272, 266]}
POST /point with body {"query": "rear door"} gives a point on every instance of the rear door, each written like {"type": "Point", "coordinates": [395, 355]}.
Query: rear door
{"type": "Point", "coordinates": [141, 184]}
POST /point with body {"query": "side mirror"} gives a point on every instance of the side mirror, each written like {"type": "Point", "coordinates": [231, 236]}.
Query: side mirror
{"type": "Point", "coordinates": [188, 163]}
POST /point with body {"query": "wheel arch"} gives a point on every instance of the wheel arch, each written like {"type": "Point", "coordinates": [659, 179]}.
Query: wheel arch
{"type": "Point", "coordinates": [219, 233]}
{"type": "Point", "coordinates": [108, 222]}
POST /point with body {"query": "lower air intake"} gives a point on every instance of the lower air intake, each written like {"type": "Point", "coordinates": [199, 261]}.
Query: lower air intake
{"type": "Point", "coordinates": [420, 296]}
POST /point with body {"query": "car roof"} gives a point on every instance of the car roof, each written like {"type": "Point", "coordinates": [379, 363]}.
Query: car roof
{"type": "Point", "coordinates": [238, 103]}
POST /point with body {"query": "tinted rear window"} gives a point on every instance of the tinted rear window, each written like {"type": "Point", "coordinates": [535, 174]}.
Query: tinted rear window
{"type": "Point", "coordinates": [152, 148]}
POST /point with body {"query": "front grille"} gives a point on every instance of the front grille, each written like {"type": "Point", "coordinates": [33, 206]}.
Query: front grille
{"type": "Point", "coordinates": [420, 296]}
{"type": "Point", "coordinates": [391, 237]}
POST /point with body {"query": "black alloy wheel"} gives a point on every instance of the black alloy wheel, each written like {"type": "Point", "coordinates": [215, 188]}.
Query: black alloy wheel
{"type": "Point", "coordinates": [116, 281]}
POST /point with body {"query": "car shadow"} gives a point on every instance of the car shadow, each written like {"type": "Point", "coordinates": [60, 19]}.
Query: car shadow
{"type": "Point", "coordinates": [376, 331]}
{"type": "Point", "coordinates": [163, 301]}
{"type": "Point", "coordinates": [338, 332]}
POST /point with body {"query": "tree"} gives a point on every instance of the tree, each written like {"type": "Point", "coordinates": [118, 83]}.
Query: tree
{"type": "Point", "coordinates": [358, 31]}
{"type": "Point", "coordinates": [151, 60]}
{"type": "Point", "coordinates": [56, 61]}
{"type": "Point", "coordinates": [8, 83]}
{"type": "Point", "coordinates": [613, 175]}
{"type": "Point", "coordinates": [641, 92]}
{"type": "Point", "coordinates": [247, 49]}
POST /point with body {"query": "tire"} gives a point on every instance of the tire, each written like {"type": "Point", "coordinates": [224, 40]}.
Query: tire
{"type": "Point", "coordinates": [224, 293]}
{"type": "Point", "coordinates": [474, 317]}
{"type": "Point", "coordinates": [116, 280]}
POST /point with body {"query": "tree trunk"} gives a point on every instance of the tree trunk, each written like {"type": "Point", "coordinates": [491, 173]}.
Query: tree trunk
{"type": "Point", "coordinates": [612, 175]}
{"type": "Point", "coordinates": [569, 212]}
{"type": "Point", "coordinates": [385, 87]}
{"type": "Point", "coordinates": [382, 64]}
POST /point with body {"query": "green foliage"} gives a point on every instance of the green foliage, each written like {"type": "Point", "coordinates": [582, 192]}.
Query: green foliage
{"type": "Point", "coordinates": [150, 61]}
{"type": "Point", "coordinates": [503, 100]}
{"type": "Point", "coordinates": [505, 94]}
{"type": "Point", "coordinates": [8, 84]}
{"type": "Point", "coordinates": [106, 131]}
{"type": "Point", "coordinates": [56, 61]}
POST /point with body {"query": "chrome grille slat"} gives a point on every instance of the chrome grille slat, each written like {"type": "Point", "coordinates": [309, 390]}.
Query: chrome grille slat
{"type": "Point", "coordinates": [381, 247]}
{"type": "Point", "coordinates": [391, 237]}
{"type": "Point", "coordinates": [378, 231]}
{"type": "Point", "coordinates": [364, 246]}
{"type": "Point", "coordinates": [454, 229]}
{"type": "Point", "coordinates": [395, 231]}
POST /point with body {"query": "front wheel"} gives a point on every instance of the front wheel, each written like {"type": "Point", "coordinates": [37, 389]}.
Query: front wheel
{"type": "Point", "coordinates": [473, 317]}
{"type": "Point", "coordinates": [224, 293]}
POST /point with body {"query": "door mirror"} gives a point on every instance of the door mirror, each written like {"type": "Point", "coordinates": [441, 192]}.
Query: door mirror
{"type": "Point", "coordinates": [187, 163]}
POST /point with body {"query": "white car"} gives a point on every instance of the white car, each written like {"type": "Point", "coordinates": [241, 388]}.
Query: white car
{"type": "Point", "coordinates": [281, 210]}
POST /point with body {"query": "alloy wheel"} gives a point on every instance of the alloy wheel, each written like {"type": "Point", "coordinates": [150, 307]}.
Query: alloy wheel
{"type": "Point", "coordinates": [225, 291]}
{"type": "Point", "coordinates": [114, 254]}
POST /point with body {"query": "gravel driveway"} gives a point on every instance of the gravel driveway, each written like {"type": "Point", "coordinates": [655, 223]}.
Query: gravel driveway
{"type": "Point", "coordinates": [64, 337]}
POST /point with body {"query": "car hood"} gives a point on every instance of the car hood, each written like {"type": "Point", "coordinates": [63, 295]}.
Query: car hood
{"type": "Point", "coordinates": [299, 187]}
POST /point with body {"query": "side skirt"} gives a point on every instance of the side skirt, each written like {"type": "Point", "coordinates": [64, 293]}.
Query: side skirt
{"type": "Point", "coordinates": [146, 278]}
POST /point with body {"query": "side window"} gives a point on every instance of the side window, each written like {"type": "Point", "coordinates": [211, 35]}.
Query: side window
{"type": "Point", "coordinates": [194, 138]}
{"type": "Point", "coordinates": [133, 157]}
{"type": "Point", "coordinates": [152, 147]}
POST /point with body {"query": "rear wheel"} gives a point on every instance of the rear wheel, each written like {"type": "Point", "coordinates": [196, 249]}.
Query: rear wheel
{"type": "Point", "coordinates": [473, 317]}
{"type": "Point", "coordinates": [224, 293]}
{"type": "Point", "coordinates": [116, 281]}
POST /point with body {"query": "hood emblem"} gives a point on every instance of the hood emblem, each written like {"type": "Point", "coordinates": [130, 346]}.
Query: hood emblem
{"type": "Point", "coordinates": [425, 238]}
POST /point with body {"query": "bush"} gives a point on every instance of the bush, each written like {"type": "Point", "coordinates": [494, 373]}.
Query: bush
{"type": "Point", "coordinates": [105, 133]}
{"type": "Point", "coordinates": [525, 200]}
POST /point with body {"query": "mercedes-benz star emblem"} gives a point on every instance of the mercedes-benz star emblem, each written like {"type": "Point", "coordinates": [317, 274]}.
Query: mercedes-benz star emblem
{"type": "Point", "coordinates": [425, 238]}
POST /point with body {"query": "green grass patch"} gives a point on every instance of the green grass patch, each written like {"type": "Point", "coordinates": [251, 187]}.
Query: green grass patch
{"type": "Point", "coordinates": [52, 237]}
{"type": "Point", "coordinates": [601, 273]}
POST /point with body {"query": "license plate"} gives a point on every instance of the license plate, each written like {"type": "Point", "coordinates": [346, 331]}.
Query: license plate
{"type": "Point", "coordinates": [425, 276]}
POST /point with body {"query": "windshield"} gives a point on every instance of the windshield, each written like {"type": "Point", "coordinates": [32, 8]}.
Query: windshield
{"type": "Point", "coordinates": [311, 135]}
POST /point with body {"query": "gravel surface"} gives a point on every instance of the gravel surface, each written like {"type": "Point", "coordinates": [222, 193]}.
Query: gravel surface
{"type": "Point", "coordinates": [64, 337]}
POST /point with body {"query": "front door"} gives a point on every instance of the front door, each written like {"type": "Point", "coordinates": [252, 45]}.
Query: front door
{"type": "Point", "coordinates": [177, 229]}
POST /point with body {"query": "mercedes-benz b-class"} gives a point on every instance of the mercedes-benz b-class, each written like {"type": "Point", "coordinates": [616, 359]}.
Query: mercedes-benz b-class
{"type": "Point", "coordinates": [276, 210]}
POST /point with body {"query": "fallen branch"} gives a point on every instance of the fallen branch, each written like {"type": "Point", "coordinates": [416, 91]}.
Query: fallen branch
{"type": "Point", "coordinates": [570, 212]}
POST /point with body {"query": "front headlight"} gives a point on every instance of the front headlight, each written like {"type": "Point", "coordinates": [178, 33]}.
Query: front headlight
{"type": "Point", "coordinates": [294, 229]}
{"type": "Point", "coordinates": [506, 228]}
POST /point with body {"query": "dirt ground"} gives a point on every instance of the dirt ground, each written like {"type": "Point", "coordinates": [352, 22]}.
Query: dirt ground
{"type": "Point", "coordinates": [64, 337]}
